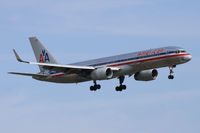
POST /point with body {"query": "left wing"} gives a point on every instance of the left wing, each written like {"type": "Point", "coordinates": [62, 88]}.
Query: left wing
{"type": "Point", "coordinates": [54, 66]}
{"type": "Point", "coordinates": [61, 68]}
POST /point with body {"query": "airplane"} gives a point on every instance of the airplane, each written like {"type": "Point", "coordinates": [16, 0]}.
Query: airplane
{"type": "Point", "coordinates": [143, 65]}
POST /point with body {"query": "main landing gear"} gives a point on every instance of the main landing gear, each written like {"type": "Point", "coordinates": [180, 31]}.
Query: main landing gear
{"type": "Point", "coordinates": [95, 87]}
{"type": "Point", "coordinates": [171, 76]}
{"type": "Point", "coordinates": [118, 88]}
{"type": "Point", "coordinates": [121, 87]}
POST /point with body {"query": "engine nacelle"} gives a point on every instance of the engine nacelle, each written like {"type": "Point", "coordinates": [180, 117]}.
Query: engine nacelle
{"type": "Point", "coordinates": [146, 75]}
{"type": "Point", "coordinates": [102, 73]}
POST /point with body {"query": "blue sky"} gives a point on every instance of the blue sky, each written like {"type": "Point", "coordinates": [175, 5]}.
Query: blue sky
{"type": "Point", "coordinates": [79, 30]}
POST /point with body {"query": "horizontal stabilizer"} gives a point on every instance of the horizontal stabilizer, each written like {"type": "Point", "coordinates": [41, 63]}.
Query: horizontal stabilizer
{"type": "Point", "coordinates": [29, 74]}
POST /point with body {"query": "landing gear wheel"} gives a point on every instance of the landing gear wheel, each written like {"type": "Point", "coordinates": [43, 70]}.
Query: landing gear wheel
{"type": "Point", "coordinates": [171, 72]}
{"type": "Point", "coordinates": [171, 77]}
{"type": "Point", "coordinates": [95, 87]}
{"type": "Point", "coordinates": [121, 87]}
{"type": "Point", "coordinates": [98, 86]}
{"type": "Point", "coordinates": [92, 88]}
{"type": "Point", "coordinates": [118, 88]}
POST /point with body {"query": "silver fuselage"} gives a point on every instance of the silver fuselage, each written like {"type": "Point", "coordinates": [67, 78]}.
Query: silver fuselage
{"type": "Point", "coordinates": [129, 64]}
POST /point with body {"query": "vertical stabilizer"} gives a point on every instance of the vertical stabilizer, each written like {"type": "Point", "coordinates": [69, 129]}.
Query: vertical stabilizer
{"type": "Point", "coordinates": [42, 55]}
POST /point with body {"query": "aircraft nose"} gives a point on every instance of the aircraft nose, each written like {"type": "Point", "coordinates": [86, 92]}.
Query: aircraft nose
{"type": "Point", "coordinates": [188, 57]}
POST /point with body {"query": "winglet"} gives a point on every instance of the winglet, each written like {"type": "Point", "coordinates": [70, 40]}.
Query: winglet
{"type": "Point", "coordinates": [18, 58]}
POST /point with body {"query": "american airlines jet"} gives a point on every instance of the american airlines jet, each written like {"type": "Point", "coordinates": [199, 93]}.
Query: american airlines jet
{"type": "Point", "coordinates": [143, 65]}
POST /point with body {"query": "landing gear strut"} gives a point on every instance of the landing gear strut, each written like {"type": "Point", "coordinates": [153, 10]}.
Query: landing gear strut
{"type": "Point", "coordinates": [171, 76]}
{"type": "Point", "coordinates": [95, 87]}
{"type": "Point", "coordinates": [121, 87]}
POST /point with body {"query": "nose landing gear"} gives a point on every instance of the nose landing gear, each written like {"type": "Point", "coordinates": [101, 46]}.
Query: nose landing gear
{"type": "Point", "coordinates": [171, 76]}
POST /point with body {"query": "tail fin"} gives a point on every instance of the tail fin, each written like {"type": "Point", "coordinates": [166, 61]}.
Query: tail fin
{"type": "Point", "coordinates": [42, 55]}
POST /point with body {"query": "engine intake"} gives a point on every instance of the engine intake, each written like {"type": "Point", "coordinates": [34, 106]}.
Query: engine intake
{"type": "Point", "coordinates": [102, 73]}
{"type": "Point", "coordinates": [146, 75]}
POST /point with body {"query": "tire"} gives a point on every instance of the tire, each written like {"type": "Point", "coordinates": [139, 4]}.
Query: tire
{"type": "Point", "coordinates": [92, 88]}
{"type": "Point", "coordinates": [117, 88]}
{"type": "Point", "coordinates": [123, 87]}
{"type": "Point", "coordinates": [171, 77]}
{"type": "Point", "coordinates": [98, 86]}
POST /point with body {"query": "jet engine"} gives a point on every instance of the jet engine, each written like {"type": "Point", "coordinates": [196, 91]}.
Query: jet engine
{"type": "Point", "coordinates": [102, 73]}
{"type": "Point", "coordinates": [146, 75]}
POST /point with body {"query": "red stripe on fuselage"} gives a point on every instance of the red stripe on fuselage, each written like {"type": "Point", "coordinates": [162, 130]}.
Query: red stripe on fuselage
{"type": "Point", "coordinates": [58, 75]}
{"type": "Point", "coordinates": [144, 60]}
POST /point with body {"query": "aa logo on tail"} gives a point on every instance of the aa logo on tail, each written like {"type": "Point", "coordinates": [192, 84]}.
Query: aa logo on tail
{"type": "Point", "coordinates": [44, 57]}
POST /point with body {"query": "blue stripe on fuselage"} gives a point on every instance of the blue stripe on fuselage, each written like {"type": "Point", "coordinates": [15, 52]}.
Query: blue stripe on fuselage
{"type": "Point", "coordinates": [133, 58]}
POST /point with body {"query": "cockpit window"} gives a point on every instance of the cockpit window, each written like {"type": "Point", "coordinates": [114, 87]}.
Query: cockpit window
{"type": "Point", "coordinates": [180, 51]}
{"type": "Point", "coordinates": [183, 51]}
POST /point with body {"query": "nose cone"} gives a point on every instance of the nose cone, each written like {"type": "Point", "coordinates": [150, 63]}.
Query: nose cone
{"type": "Point", "coordinates": [187, 57]}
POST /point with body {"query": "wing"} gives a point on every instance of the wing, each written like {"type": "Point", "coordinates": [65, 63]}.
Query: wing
{"type": "Point", "coordinates": [30, 74]}
{"type": "Point", "coordinates": [56, 67]}
{"type": "Point", "coordinates": [62, 68]}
